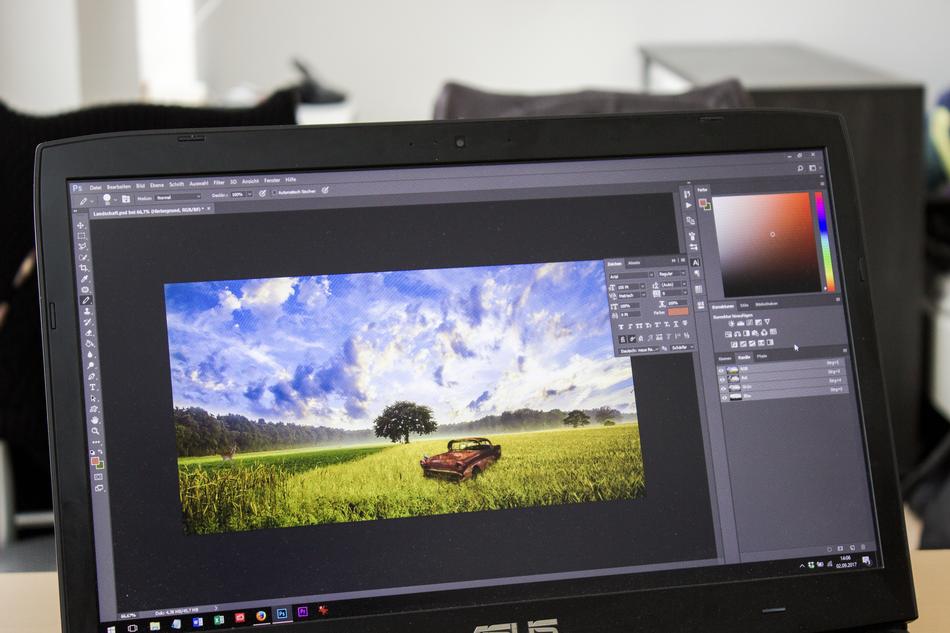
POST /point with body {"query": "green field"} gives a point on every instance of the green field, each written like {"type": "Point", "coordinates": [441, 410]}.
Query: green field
{"type": "Point", "coordinates": [291, 460]}
{"type": "Point", "coordinates": [316, 486]}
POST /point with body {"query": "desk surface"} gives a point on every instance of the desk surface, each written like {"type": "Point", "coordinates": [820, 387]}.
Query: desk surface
{"type": "Point", "coordinates": [29, 601]}
{"type": "Point", "coordinates": [765, 66]}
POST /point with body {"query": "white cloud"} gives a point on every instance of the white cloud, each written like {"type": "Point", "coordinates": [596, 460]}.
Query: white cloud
{"type": "Point", "coordinates": [557, 272]}
{"type": "Point", "coordinates": [267, 294]}
{"type": "Point", "coordinates": [313, 292]}
{"type": "Point", "coordinates": [228, 302]}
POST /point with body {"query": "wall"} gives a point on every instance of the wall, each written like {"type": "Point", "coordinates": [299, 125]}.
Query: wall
{"type": "Point", "coordinates": [167, 49]}
{"type": "Point", "coordinates": [108, 55]}
{"type": "Point", "coordinates": [39, 71]}
{"type": "Point", "coordinates": [392, 57]}
{"type": "Point", "coordinates": [57, 55]}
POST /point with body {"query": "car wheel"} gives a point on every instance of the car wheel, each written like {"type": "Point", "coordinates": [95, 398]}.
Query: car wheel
{"type": "Point", "coordinates": [475, 473]}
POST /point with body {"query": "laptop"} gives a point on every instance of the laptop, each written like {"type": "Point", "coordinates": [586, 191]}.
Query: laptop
{"type": "Point", "coordinates": [591, 374]}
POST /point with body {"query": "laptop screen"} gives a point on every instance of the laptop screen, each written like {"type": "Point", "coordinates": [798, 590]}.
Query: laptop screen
{"type": "Point", "coordinates": [319, 395]}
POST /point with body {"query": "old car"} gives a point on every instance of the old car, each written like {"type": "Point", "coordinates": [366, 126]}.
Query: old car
{"type": "Point", "coordinates": [466, 458]}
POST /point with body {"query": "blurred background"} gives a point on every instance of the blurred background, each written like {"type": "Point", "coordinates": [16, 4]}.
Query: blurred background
{"type": "Point", "coordinates": [391, 59]}
{"type": "Point", "coordinates": [70, 67]}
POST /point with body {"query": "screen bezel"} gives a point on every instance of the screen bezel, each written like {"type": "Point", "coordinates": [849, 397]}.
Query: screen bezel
{"type": "Point", "coordinates": [848, 599]}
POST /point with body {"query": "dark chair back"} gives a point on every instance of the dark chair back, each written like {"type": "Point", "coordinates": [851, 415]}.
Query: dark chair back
{"type": "Point", "coordinates": [462, 102]}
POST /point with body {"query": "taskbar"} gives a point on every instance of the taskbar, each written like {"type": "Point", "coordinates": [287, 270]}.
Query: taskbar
{"type": "Point", "coordinates": [837, 562]}
{"type": "Point", "coordinates": [223, 619]}
{"type": "Point", "coordinates": [311, 611]}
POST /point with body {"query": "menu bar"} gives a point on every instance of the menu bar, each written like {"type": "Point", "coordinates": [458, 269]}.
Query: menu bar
{"type": "Point", "coordinates": [442, 179]}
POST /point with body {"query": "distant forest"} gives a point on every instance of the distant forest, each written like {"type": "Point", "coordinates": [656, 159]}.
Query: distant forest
{"type": "Point", "coordinates": [525, 420]}
{"type": "Point", "coordinates": [199, 433]}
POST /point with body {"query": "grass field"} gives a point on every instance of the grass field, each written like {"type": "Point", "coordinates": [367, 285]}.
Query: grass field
{"type": "Point", "coordinates": [291, 460]}
{"type": "Point", "coordinates": [317, 486]}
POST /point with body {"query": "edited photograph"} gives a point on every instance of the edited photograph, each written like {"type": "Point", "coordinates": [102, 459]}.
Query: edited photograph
{"type": "Point", "coordinates": [373, 396]}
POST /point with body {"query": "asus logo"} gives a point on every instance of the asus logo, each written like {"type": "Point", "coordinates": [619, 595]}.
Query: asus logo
{"type": "Point", "coordinates": [534, 626]}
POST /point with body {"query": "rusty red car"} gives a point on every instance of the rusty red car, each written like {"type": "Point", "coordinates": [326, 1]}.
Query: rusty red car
{"type": "Point", "coordinates": [466, 458]}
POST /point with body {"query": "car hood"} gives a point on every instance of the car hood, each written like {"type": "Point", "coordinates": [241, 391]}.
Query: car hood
{"type": "Point", "coordinates": [451, 457]}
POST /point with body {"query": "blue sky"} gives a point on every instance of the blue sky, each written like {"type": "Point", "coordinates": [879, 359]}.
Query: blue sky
{"type": "Point", "coordinates": [335, 350]}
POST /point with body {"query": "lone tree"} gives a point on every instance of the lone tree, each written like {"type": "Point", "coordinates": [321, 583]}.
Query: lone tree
{"type": "Point", "coordinates": [400, 419]}
{"type": "Point", "coordinates": [577, 418]}
{"type": "Point", "coordinates": [602, 414]}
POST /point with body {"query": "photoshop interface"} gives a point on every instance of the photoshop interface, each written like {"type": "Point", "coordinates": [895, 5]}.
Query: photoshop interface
{"type": "Point", "coordinates": [737, 286]}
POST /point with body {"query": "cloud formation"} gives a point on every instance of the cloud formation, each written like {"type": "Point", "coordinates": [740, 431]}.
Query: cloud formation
{"type": "Point", "coordinates": [335, 350]}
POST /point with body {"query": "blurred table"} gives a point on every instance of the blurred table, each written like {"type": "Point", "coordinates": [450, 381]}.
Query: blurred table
{"type": "Point", "coordinates": [30, 601]}
{"type": "Point", "coordinates": [932, 581]}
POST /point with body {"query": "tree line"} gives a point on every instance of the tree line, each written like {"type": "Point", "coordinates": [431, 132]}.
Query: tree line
{"type": "Point", "coordinates": [200, 433]}
{"type": "Point", "coordinates": [525, 420]}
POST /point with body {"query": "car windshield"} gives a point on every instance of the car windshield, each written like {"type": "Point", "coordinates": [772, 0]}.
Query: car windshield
{"type": "Point", "coordinates": [467, 445]}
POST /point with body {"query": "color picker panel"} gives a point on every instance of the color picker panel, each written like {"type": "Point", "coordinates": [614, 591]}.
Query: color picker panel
{"type": "Point", "coordinates": [767, 244]}
{"type": "Point", "coordinates": [825, 244]}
